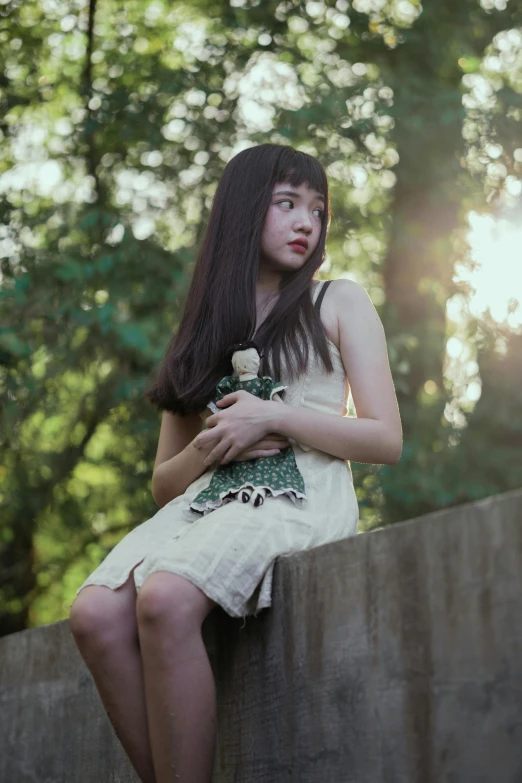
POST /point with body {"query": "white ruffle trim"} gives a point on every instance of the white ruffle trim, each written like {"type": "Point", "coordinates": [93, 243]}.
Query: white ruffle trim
{"type": "Point", "coordinates": [294, 495]}
{"type": "Point", "coordinates": [277, 389]}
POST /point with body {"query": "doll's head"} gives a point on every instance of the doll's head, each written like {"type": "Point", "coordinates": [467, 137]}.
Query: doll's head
{"type": "Point", "coordinates": [246, 362]}
{"type": "Point", "coordinates": [245, 358]}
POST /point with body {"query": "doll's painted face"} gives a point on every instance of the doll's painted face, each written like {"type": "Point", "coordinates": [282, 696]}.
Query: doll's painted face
{"type": "Point", "coordinates": [294, 215]}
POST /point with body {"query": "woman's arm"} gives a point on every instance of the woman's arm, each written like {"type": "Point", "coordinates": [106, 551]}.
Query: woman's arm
{"type": "Point", "coordinates": [360, 440]}
{"type": "Point", "coordinates": [375, 436]}
{"type": "Point", "coordinates": [177, 462]}
{"type": "Point", "coordinates": [172, 477]}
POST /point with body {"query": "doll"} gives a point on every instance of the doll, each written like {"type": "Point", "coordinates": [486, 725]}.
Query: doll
{"type": "Point", "coordinates": [254, 479]}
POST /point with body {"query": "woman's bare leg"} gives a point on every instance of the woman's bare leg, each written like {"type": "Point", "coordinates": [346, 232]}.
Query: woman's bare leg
{"type": "Point", "coordinates": [103, 623]}
{"type": "Point", "coordinates": [179, 682]}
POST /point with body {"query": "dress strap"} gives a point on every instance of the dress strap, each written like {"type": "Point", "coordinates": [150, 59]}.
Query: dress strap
{"type": "Point", "coordinates": [322, 290]}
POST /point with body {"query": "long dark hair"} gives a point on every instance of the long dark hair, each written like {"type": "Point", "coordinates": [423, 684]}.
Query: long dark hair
{"type": "Point", "coordinates": [220, 309]}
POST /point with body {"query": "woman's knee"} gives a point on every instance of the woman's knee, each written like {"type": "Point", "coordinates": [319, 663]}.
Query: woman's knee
{"type": "Point", "coordinates": [167, 597]}
{"type": "Point", "coordinates": [99, 614]}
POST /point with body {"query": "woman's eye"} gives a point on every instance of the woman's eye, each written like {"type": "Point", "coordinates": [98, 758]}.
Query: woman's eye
{"type": "Point", "coordinates": [287, 201]}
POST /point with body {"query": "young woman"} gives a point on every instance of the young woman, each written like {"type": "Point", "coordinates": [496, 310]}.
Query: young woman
{"type": "Point", "coordinates": [137, 621]}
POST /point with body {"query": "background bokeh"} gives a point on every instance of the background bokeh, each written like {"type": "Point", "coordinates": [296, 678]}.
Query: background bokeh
{"type": "Point", "coordinates": [116, 120]}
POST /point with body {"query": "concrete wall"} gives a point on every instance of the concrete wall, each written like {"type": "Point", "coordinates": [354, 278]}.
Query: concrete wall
{"type": "Point", "coordinates": [392, 657]}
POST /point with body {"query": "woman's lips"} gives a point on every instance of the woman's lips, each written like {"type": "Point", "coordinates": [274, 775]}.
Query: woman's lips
{"type": "Point", "coordinates": [299, 248]}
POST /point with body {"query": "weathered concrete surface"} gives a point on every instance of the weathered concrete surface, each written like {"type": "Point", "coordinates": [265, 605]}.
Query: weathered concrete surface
{"type": "Point", "coordinates": [392, 657]}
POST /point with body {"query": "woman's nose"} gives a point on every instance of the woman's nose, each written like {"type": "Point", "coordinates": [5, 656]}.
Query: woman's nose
{"type": "Point", "coordinates": [304, 222]}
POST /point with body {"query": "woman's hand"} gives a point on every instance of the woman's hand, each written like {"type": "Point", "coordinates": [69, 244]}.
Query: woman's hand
{"type": "Point", "coordinates": [266, 447]}
{"type": "Point", "coordinates": [243, 422]}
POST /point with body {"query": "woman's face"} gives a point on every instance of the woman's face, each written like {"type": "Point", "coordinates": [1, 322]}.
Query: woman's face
{"type": "Point", "coordinates": [295, 214]}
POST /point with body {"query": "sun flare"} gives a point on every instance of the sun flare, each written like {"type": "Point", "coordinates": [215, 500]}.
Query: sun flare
{"type": "Point", "coordinates": [496, 247]}
{"type": "Point", "coordinates": [496, 285]}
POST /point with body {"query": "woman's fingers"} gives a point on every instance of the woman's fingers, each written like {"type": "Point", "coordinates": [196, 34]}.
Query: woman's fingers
{"type": "Point", "coordinates": [266, 447]}
{"type": "Point", "coordinates": [221, 455]}
{"type": "Point", "coordinates": [255, 454]}
{"type": "Point", "coordinates": [275, 436]}
{"type": "Point", "coordinates": [271, 442]}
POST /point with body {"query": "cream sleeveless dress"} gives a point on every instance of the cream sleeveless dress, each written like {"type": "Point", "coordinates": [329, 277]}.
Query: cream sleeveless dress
{"type": "Point", "coordinates": [230, 553]}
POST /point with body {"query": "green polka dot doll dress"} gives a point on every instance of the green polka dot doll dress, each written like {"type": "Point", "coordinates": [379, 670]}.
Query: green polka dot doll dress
{"type": "Point", "coordinates": [254, 479]}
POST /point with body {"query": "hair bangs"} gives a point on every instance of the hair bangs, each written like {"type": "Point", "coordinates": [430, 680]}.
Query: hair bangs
{"type": "Point", "coordinates": [296, 167]}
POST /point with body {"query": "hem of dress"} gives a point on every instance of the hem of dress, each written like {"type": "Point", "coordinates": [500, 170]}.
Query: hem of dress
{"type": "Point", "coordinates": [203, 586]}
{"type": "Point", "coordinates": [99, 582]}
{"type": "Point", "coordinates": [114, 584]}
